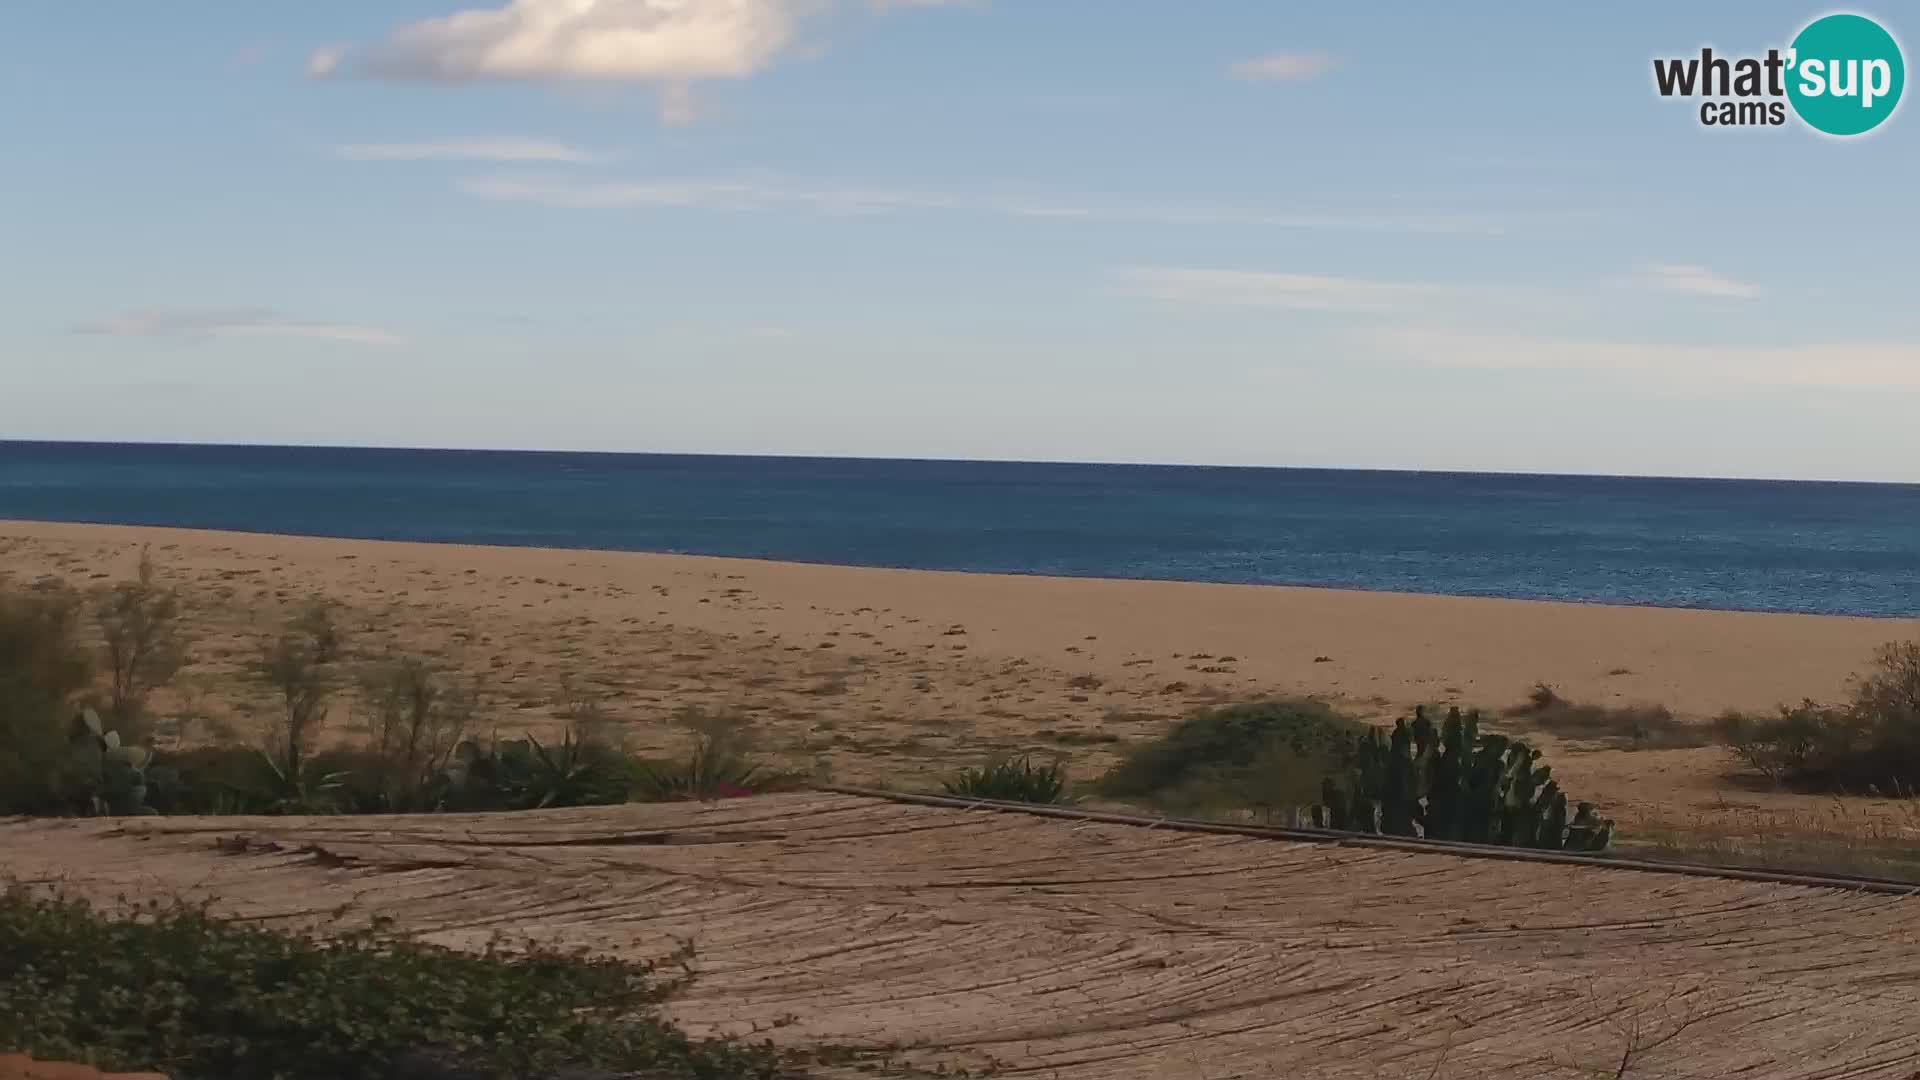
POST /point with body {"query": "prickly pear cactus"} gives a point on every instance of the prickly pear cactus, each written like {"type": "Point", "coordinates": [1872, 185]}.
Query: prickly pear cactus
{"type": "Point", "coordinates": [120, 787]}
{"type": "Point", "coordinates": [123, 781]}
{"type": "Point", "coordinates": [1452, 783]}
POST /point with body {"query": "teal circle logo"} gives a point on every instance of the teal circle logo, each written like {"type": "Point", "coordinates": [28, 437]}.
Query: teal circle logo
{"type": "Point", "coordinates": [1845, 74]}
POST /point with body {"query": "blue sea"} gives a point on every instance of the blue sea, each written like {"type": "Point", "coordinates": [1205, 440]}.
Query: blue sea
{"type": "Point", "coordinates": [1736, 544]}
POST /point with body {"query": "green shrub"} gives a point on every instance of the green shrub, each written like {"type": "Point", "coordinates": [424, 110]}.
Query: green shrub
{"type": "Point", "coordinates": [1262, 755]}
{"type": "Point", "coordinates": [1870, 745]}
{"type": "Point", "coordinates": [1012, 780]}
{"type": "Point", "coordinates": [1449, 782]}
{"type": "Point", "coordinates": [499, 774]}
{"type": "Point", "coordinates": [178, 990]}
{"type": "Point", "coordinates": [211, 780]}
{"type": "Point", "coordinates": [44, 665]}
{"type": "Point", "coordinates": [44, 670]}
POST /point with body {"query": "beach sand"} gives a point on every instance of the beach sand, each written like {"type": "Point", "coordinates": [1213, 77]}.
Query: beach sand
{"type": "Point", "coordinates": [899, 676]}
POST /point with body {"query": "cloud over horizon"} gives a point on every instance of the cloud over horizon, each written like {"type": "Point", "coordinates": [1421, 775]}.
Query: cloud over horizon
{"type": "Point", "coordinates": [191, 324]}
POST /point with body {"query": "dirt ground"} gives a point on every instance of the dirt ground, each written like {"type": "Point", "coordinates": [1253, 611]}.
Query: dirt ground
{"type": "Point", "coordinates": [898, 677]}
{"type": "Point", "coordinates": [1035, 947]}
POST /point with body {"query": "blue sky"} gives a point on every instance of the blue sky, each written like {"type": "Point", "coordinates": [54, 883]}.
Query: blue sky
{"type": "Point", "coordinates": [1230, 232]}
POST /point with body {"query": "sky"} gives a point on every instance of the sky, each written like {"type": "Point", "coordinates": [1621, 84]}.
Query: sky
{"type": "Point", "coordinates": [1239, 232]}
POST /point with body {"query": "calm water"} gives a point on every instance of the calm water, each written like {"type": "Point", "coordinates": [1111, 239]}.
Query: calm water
{"type": "Point", "coordinates": [1838, 548]}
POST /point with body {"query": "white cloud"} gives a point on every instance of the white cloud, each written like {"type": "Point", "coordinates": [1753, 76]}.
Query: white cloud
{"type": "Point", "coordinates": [1695, 280]}
{"type": "Point", "coordinates": [767, 193]}
{"type": "Point", "coordinates": [1284, 66]}
{"type": "Point", "coordinates": [1882, 364]}
{"type": "Point", "coordinates": [663, 41]}
{"type": "Point", "coordinates": [202, 323]}
{"type": "Point", "coordinates": [670, 44]}
{"type": "Point", "coordinates": [485, 148]}
{"type": "Point", "coordinates": [1246, 288]}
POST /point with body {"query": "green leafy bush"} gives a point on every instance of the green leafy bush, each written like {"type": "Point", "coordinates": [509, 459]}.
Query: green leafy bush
{"type": "Point", "coordinates": [1012, 780]}
{"type": "Point", "coordinates": [1449, 782]}
{"type": "Point", "coordinates": [176, 989]}
{"type": "Point", "coordinates": [1870, 745]}
{"type": "Point", "coordinates": [1268, 755]}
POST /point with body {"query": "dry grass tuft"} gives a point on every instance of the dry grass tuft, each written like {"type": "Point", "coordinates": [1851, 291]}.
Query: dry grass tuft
{"type": "Point", "coordinates": [1624, 727]}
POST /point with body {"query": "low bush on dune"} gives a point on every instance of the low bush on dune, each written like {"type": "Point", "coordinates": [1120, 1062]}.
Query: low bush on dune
{"type": "Point", "coordinates": [1302, 759]}
{"type": "Point", "coordinates": [1012, 780]}
{"type": "Point", "coordinates": [1267, 756]}
{"type": "Point", "coordinates": [176, 989]}
{"type": "Point", "coordinates": [1868, 745]}
{"type": "Point", "coordinates": [478, 776]}
{"type": "Point", "coordinates": [44, 668]}
{"type": "Point", "coordinates": [1627, 727]}
{"type": "Point", "coordinates": [64, 751]}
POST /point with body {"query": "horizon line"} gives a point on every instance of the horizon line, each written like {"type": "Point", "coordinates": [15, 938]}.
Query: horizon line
{"type": "Point", "coordinates": [909, 459]}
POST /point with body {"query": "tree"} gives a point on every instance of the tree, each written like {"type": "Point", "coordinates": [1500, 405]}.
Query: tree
{"type": "Point", "coordinates": [139, 622]}
{"type": "Point", "coordinates": [299, 665]}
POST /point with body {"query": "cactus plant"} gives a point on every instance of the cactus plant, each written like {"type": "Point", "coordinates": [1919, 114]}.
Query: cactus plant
{"type": "Point", "coordinates": [1451, 783]}
{"type": "Point", "coordinates": [123, 781]}
{"type": "Point", "coordinates": [119, 771]}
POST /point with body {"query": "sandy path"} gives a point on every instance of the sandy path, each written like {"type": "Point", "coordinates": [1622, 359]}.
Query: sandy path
{"type": "Point", "coordinates": [894, 676]}
{"type": "Point", "coordinates": [1082, 950]}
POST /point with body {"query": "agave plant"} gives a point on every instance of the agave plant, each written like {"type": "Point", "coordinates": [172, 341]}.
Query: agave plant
{"type": "Point", "coordinates": [526, 774]}
{"type": "Point", "coordinates": [720, 765]}
{"type": "Point", "coordinates": [711, 771]}
{"type": "Point", "coordinates": [295, 789]}
{"type": "Point", "coordinates": [1012, 780]}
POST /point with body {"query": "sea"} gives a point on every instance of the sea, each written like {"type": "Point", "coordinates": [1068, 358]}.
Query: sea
{"type": "Point", "coordinates": [1829, 548]}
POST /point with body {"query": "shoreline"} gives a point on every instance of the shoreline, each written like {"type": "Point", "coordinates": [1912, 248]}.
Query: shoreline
{"type": "Point", "coordinates": [15, 526]}
{"type": "Point", "coordinates": [871, 676]}
{"type": "Point", "coordinates": [1378, 644]}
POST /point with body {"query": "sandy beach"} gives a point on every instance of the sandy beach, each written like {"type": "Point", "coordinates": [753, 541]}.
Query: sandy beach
{"type": "Point", "coordinates": [876, 675]}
